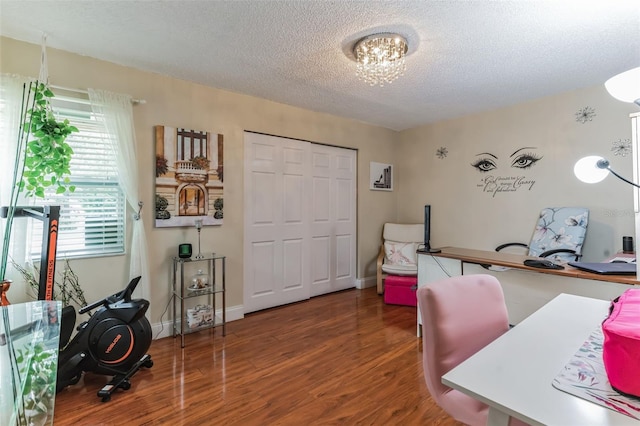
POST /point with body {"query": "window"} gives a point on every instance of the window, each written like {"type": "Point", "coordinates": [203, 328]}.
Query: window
{"type": "Point", "coordinates": [92, 217]}
{"type": "Point", "coordinates": [191, 143]}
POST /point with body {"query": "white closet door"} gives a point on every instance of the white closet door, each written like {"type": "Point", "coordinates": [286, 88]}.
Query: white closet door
{"type": "Point", "coordinates": [277, 202]}
{"type": "Point", "coordinates": [333, 219]}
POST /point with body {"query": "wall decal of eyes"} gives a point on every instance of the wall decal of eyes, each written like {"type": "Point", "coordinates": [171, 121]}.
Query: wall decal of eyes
{"type": "Point", "coordinates": [522, 158]}
{"type": "Point", "coordinates": [486, 162]}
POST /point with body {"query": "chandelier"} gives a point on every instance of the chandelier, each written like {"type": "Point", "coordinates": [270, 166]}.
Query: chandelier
{"type": "Point", "coordinates": [380, 58]}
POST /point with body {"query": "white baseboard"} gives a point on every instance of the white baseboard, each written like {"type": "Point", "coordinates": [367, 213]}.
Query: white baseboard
{"type": "Point", "coordinates": [165, 328]}
{"type": "Point", "coordinates": [367, 282]}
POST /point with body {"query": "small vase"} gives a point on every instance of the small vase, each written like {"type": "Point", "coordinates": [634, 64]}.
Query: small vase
{"type": "Point", "coordinates": [4, 288]}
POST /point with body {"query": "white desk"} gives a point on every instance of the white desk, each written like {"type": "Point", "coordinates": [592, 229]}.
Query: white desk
{"type": "Point", "coordinates": [513, 374]}
{"type": "Point", "coordinates": [526, 289]}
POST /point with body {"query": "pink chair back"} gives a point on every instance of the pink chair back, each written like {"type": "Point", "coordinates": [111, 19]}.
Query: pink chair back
{"type": "Point", "coordinates": [460, 315]}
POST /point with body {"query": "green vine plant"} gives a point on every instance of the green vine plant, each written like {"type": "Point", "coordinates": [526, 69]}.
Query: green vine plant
{"type": "Point", "coordinates": [47, 155]}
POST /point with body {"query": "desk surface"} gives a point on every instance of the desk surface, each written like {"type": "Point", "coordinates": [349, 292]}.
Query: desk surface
{"type": "Point", "coordinates": [482, 257]}
{"type": "Point", "coordinates": [514, 373]}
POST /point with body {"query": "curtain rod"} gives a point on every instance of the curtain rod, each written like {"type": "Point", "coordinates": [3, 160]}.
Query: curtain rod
{"type": "Point", "coordinates": [86, 92]}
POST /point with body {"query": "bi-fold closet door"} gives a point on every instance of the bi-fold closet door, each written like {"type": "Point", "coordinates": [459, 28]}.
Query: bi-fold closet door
{"type": "Point", "coordinates": [300, 220]}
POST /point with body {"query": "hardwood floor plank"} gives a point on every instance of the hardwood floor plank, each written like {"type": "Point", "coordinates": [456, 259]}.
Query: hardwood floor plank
{"type": "Point", "coordinates": [339, 359]}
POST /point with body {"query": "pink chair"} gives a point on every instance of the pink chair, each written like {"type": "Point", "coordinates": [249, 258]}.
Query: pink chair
{"type": "Point", "coordinates": [460, 315]}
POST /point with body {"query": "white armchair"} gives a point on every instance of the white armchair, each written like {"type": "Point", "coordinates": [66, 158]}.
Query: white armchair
{"type": "Point", "coordinates": [398, 251]}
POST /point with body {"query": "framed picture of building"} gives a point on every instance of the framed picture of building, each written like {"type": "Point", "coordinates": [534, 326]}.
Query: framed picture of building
{"type": "Point", "coordinates": [189, 177]}
{"type": "Point", "coordinates": [381, 177]}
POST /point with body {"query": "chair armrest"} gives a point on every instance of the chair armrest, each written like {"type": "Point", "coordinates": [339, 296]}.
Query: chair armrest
{"type": "Point", "coordinates": [379, 262]}
{"type": "Point", "coordinates": [500, 247]}
{"type": "Point", "coordinates": [554, 251]}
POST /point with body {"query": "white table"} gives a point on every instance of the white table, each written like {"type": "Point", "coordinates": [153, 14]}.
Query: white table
{"type": "Point", "coordinates": [526, 289]}
{"type": "Point", "coordinates": [513, 374]}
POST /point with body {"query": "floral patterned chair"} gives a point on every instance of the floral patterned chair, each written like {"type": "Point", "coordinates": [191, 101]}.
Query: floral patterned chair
{"type": "Point", "coordinates": [398, 251]}
{"type": "Point", "coordinates": [559, 234]}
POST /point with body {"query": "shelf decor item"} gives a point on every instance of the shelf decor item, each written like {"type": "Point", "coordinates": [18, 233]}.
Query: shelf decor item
{"type": "Point", "coordinates": [199, 316]}
{"type": "Point", "coordinates": [199, 281]}
{"type": "Point", "coordinates": [184, 251]}
{"type": "Point", "coordinates": [199, 228]}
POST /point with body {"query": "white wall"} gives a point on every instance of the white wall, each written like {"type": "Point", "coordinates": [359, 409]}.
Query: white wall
{"type": "Point", "coordinates": [465, 215]}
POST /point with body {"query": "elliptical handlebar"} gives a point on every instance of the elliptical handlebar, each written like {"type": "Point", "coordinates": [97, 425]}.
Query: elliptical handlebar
{"type": "Point", "coordinates": [116, 297]}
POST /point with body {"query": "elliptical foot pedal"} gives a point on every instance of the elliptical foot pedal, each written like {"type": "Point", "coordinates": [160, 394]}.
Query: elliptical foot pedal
{"type": "Point", "coordinates": [122, 380]}
{"type": "Point", "coordinates": [105, 392]}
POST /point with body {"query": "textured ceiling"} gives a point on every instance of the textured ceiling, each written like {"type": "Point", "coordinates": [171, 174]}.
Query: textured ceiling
{"type": "Point", "coordinates": [464, 56]}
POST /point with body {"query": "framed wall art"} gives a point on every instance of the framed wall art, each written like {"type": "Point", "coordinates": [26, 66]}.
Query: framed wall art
{"type": "Point", "coordinates": [381, 177]}
{"type": "Point", "coordinates": [189, 177]}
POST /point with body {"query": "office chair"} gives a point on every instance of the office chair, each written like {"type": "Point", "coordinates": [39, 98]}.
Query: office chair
{"type": "Point", "coordinates": [460, 316]}
{"type": "Point", "coordinates": [559, 234]}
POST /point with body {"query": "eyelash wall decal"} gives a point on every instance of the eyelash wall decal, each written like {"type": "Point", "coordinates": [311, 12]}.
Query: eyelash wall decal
{"type": "Point", "coordinates": [484, 165]}
{"type": "Point", "coordinates": [526, 160]}
{"type": "Point", "coordinates": [508, 174]}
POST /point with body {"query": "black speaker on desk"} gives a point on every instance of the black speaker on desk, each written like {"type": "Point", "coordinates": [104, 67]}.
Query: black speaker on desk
{"type": "Point", "coordinates": [427, 231]}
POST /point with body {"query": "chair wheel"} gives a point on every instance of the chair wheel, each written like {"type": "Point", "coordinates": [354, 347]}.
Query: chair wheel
{"type": "Point", "coordinates": [148, 363]}
{"type": "Point", "coordinates": [106, 398]}
{"type": "Point", "coordinates": [126, 385]}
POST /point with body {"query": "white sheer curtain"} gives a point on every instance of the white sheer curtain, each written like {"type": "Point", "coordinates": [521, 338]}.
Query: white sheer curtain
{"type": "Point", "coordinates": [118, 117]}
{"type": "Point", "coordinates": [11, 92]}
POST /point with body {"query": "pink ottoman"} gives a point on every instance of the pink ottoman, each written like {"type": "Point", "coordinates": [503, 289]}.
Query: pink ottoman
{"type": "Point", "coordinates": [400, 290]}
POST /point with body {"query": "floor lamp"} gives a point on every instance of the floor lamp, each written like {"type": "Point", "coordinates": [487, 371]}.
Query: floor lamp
{"type": "Point", "coordinates": [592, 169]}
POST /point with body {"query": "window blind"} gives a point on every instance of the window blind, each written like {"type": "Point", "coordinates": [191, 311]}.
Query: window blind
{"type": "Point", "coordinates": [91, 218]}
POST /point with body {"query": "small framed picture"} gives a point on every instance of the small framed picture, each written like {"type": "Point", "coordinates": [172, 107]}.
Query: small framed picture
{"type": "Point", "coordinates": [381, 177]}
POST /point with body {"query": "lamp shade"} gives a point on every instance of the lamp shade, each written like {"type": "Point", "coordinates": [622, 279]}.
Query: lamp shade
{"type": "Point", "coordinates": [625, 87]}
{"type": "Point", "coordinates": [586, 169]}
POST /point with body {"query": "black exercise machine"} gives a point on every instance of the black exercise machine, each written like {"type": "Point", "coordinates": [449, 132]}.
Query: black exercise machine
{"type": "Point", "coordinates": [115, 338]}
{"type": "Point", "coordinates": [113, 341]}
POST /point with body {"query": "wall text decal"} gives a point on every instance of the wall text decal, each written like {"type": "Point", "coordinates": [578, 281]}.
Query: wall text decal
{"type": "Point", "coordinates": [521, 159]}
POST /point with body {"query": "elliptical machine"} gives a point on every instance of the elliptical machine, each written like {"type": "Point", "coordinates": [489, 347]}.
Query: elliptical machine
{"type": "Point", "coordinates": [113, 341]}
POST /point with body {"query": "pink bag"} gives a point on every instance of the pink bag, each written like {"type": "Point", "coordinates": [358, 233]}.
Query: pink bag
{"type": "Point", "coordinates": [621, 347]}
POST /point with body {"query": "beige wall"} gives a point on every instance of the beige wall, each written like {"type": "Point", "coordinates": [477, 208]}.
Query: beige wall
{"type": "Point", "coordinates": [177, 103]}
{"type": "Point", "coordinates": [465, 215]}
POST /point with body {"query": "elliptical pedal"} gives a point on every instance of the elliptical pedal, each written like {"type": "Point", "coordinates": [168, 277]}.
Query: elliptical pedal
{"type": "Point", "coordinates": [121, 381]}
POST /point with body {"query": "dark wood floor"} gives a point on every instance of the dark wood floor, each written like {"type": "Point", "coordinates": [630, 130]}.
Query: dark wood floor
{"type": "Point", "coordinates": [344, 358]}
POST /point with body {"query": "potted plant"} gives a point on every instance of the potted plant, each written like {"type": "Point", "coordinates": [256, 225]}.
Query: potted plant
{"type": "Point", "coordinates": [200, 162]}
{"type": "Point", "coordinates": [47, 156]}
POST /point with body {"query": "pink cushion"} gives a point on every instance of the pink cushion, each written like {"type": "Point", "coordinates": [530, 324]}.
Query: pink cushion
{"type": "Point", "coordinates": [400, 290]}
{"type": "Point", "coordinates": [460, 315]}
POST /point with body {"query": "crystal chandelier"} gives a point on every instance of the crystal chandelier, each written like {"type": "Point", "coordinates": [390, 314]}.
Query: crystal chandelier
{"type": "Point", "coordinates": [380, 58]}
